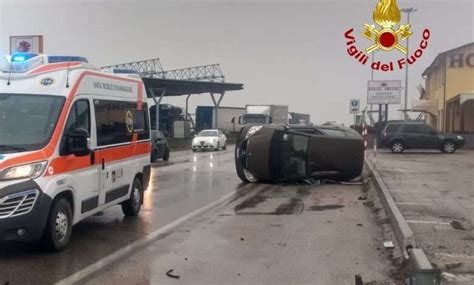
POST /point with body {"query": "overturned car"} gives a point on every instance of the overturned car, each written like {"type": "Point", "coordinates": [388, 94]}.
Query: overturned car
{"type": "Point", "coordinates": [272, 153]}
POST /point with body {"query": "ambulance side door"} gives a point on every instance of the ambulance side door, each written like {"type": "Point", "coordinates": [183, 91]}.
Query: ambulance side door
{"type": "Point", "coordinates": [83, 174]}
{"type": "Point", "coordinates": [114, 149]}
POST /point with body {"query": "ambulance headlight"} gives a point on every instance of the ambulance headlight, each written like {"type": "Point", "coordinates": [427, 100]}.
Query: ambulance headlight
{"type": "Point", "coordinates": [32, 170]}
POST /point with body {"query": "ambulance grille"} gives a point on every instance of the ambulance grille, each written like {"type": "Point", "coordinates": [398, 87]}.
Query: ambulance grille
{"type": "Point", "coordinates": [18, 204]}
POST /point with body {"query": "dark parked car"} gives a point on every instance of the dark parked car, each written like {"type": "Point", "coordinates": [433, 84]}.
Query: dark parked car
{"type": "Point", "coordinates": [415, 135]}
{"type": "Point", "coordinates": [271, 153]}
{"type": "Point", "coordinates": [159, 146]}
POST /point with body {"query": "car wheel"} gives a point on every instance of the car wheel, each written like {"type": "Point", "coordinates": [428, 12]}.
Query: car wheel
{"type": "Point", "coordinates": [397, 147]}
{"type": "Point", "coordinates": [166, 154]}
{"type": "Point", "coordinates": [448, 147]}
{"type": "Point", "coordinates": [132, 206]}
{"type": "Point", "coordinates": [58, 226]}
{"type": "Point", "coordinates": [154, 155]}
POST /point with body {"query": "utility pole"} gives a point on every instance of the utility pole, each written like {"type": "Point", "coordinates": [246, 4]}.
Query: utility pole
{"type": "Point", "coordinates": [408, 11]}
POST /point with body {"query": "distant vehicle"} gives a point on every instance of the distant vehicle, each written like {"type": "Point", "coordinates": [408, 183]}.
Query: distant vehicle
{"type": "Point", "coordinates": [160, 148]}
{"type": "Point", "coordinates": [227, 118]}
{"type": "Point", "coordinates": [265, 114]}
{"type": "Point", "coordinates": [299, 118]}
{"type": "Point", "coordinates": [209, 140]}
{"type": "Point", "coordinates": [416, 135]}
{"type": "Point", "coordinates": [333, 123]}
{"type": "Point", "coordinates": [271, 153]}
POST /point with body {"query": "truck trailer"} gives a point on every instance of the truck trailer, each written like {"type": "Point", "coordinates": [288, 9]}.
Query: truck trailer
{"type": "Point", "coordinates": [265, 114]}
{"type": "Point", "coordinates": [299, 119]}
{"type": "Point", "coordinates": [227, 118]}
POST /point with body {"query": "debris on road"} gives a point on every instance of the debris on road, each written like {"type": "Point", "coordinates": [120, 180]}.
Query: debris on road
{"type": "Point", "coordinates": [388, 244]}
{"type": "Point", "coordinates": [311, 181]}
{"type": "Point", "coordinates": [369, 204]}
{"type": "Point", "coordinates": [170, 274]}
{"type": "Point", "coordinates": [362, 198]}
{"type": "Point", "coordinates": [461, 225]}
{"type": "Point", "coordinates": [451, 266]}
{"type": "Point", "coordinates": [360, 225]}
{"type": "Point", "coordinates": [342, 182]}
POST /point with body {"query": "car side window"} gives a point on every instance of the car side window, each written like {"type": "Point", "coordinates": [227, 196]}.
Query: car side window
{"type": "Point", "coordinates": [392, 128]}
{"type": "Point", "coordinates": [411, 129]}
{"type": "Point", "coordinates": [79, 118]}
{"type": "Point", "coordinates": [426, 129]}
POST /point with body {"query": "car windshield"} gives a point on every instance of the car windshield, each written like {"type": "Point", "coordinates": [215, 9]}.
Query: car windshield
{"type": "Point", "coordinates": [290, 152]}
{"type": "Point", "coordinates": [27, 121]}
{"type": "Point", "coordinates": [255, 119]}
{"type": "Point", "coordinates": [207, 134]}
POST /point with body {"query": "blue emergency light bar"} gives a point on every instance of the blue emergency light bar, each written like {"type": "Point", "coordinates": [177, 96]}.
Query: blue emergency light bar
{"type": "Point", "coordinates": [56, 59]}
{"type": "Point", "coordinates": [21, 57]}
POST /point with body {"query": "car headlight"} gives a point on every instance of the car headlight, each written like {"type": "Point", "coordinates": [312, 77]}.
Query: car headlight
{"type": "Point", "coordinates": [249, 176]}
{"type": "Point", "coordinates": [460, 138]}
{"type": "Point", "coordinates": [32, 170]}
{"type": "Point", "coordinates": [252, 131]}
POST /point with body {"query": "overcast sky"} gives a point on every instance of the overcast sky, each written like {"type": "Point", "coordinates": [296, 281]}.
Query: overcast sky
{"type": "Point", "coordinates": [285, 52]}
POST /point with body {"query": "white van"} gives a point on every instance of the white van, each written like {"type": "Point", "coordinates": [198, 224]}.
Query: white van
{"type": "Point", "coordinates": [73, 141]}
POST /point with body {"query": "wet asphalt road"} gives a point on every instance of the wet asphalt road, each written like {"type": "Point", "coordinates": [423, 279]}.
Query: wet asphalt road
{"type": "Point", "coordinates": [188, 182]}
{"type": "Point", "coordinates": [267, 234]}
{"type": "Point", "coordinates": [274, 234]}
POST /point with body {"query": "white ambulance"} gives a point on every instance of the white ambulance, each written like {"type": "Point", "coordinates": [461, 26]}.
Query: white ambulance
{"type": "Point", "coordinates": [73, 141]}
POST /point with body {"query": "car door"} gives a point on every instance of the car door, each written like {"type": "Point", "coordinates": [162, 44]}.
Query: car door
{"type": "Point", "coordinates": [429, 137]}
{"type": "Point", "coordinates": [411, 135]}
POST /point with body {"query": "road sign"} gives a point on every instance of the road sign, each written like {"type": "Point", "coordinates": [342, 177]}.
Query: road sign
{"type": "Point", "coordinates": [354, 106]}
{"type": "Point", "coordinates": [384, 92]}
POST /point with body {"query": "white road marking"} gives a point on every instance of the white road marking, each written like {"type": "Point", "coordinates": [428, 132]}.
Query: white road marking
{"type": "Point", "coordinates": [455, 256]}
{"type": "Point", "coordinates": [82, 274]}
{"type": "Point", "coordinates": [413, 203]}
{"type": "Point", "coordinates": [407, 191]}
{"type": "Point", "coordinates": [428, 222]}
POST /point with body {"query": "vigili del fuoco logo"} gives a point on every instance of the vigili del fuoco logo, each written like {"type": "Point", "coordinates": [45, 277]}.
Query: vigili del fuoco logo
{"type": "Point", "coordinates": [386, 36]}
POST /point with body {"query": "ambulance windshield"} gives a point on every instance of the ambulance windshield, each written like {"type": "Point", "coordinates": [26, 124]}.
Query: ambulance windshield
{"type": "Point", "coordinates": [27, 121]}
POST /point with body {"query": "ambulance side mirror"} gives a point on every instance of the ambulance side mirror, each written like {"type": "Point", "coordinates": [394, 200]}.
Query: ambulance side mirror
{"type": "Point", "coordinates": [79, 142]}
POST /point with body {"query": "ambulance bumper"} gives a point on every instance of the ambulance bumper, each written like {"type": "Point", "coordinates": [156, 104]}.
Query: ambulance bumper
{"type": "Point", "coordinates": [23, 212]}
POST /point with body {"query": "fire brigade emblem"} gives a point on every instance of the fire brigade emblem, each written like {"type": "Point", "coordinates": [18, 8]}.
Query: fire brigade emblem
{"type": "Point", "coordinates": [387, 37]}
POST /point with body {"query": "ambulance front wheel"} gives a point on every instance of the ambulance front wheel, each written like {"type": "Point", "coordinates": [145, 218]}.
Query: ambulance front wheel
{"type": "Point", "coordinates": [59, 225]}
{"type": "Point", "coordinates": [132, 206]}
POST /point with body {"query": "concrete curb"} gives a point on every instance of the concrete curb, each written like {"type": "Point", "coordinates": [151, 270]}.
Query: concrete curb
{"type": "Point", "coordinates": [87, 272]}
{"type": "Point", "coordinates": [403, 232]}
{"type": "Point", "coordinates": [421, 270]}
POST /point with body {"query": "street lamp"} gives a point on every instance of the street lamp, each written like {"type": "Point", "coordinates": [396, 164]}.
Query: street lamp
{"type": "Point", "coordinates": [408, 11]}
